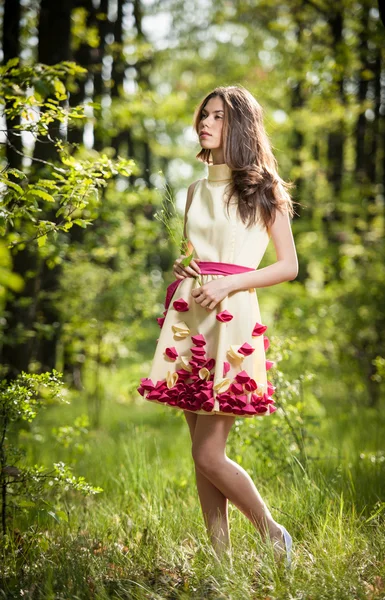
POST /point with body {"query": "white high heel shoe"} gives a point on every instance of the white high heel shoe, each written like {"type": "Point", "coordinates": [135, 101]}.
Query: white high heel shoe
{"type": "Point", "coordinates": [288, 544]}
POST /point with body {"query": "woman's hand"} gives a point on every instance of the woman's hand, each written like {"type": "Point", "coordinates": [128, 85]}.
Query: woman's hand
{"type": "Point", "coordinates": [212, 292]}
{"type": "Point", "coordinates": [181, 272]}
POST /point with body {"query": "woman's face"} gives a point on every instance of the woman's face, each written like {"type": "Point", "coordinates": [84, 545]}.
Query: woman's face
{"type": "Point", "coordinates": [211, 122]}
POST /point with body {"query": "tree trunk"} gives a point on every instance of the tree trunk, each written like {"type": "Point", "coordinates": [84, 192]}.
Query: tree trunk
{"type": "Point", "coordinates": [22, 308]}
{"type": "Point", "coordinates": [11, 49]}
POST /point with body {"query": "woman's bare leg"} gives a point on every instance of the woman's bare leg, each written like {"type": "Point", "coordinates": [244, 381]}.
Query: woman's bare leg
{"type": "Point", "coordinates": [213, 503]}
{"type": "Point", "coordinates": [209, 453]}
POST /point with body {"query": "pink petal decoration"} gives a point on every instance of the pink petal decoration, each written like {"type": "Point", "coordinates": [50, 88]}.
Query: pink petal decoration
{"type": "Point", "coordinates": [147, 384]}
{"type": "Point", "coordinates": [198, 340]}
{"type": "Point", "coordinates": [224, 397]}
{"type": "Point", "coordinates": [164, 397]}
{"type": "Point", "coordinates": [269, 364]}
{"type": "Point", "coordinates": [180, 305]}
{"type": "Point", "coordinates": [255, 400]}
{"type": "Point", "coordinates": [197, 363]}
{"type": "Point", "coordinates": [251, 385]}
{"type": "Point", "coordinates": [208, 405]}
{"type": "Point", "coordinates": [266, 342]}
{"type": "Point", "coordinates": [187, 390]}
{"type": "Point", "coordinates": [171, 353]}
{"type": "Point", "coordinates": [242, 400]}
{"type": "Point", "coordinates": [226, 408]}
{"type": "Point", "coordinates": [236, 388]}
{"type": "Point", "coordinates": [183, 374]}
{"type": "Point", "coordinates": [246, 349]}
{"type": "Point", "coordinates": [269, 400]}
{"type": "Point", "coordinates": [198, 351]}
{"type": "Point", "coordinates": [259, 329]}
{"type": "Point", "coordinates": [205, 395]}
{"type": "Point", "coordinates": [224, 316]}
{"type": "Point", "coordinates": [242, 377]}
{"type": "Point", "coordinates": [226, 368]}
{"type": "Point", "coordinates": [160, 321]}
{"type": "Point", "coordinates": [193, 405]}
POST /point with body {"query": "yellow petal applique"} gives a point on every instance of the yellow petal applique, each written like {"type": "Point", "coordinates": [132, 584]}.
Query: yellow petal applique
{"type": "Point", "coordinates": [234, 354]}
{"type": "Point", "coordinates": [171, 379]}
{"type": "Point", "coordinates": [185, 363]}
{"type": "Point", "coordinates": [181, 330]}
{"type": "Point", "coordinates": [204, 373]}
{"type": "Point", "coordinates": [222, 386]}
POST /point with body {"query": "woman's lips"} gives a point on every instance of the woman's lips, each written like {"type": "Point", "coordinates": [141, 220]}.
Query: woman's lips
{"type": "Point", "coordinates": [205, 135]}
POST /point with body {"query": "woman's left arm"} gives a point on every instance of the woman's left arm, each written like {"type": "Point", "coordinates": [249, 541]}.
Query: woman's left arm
{"type": "Point", "coordinates": [284, 269]}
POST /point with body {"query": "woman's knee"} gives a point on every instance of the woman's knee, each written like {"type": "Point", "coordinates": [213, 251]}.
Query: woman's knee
{"type": "Point", "coordinates": [207, 459]}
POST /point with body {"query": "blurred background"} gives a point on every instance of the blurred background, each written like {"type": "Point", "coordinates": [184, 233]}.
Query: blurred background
{"type": "Point", "coordinates": [83, 299]}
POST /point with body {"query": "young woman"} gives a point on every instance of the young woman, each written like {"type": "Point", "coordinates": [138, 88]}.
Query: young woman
{"type": "Point", "coordinates": [210, 358]}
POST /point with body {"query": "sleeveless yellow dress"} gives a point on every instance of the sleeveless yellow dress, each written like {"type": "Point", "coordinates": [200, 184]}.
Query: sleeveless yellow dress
{"type": "Point", "coordinates": [213, 361]}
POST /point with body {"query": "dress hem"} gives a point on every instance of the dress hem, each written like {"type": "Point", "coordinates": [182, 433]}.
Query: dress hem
{"type": "Point", "coordinates": [209, 413]}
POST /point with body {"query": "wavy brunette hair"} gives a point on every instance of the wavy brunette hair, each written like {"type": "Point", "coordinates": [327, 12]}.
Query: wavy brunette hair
{"type": "Point", "coordinates": [247, 151]}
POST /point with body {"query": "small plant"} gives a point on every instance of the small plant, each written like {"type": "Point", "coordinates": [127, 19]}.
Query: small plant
{"type": "Point", "coordinates": [23, 487]}
{"type": "Point", "coordinates": [171, 219]}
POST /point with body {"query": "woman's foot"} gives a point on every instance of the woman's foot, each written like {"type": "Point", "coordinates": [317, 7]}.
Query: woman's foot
{"type": "Point", "coordinates": [282, 545]}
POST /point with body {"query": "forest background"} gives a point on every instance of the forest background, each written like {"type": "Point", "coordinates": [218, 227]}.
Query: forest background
{"type": "Point", "coordinates": [97, 99]}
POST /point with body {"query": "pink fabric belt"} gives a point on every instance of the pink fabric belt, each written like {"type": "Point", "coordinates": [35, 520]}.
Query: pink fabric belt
{"type": "Point", "coordinates": [207, 268]}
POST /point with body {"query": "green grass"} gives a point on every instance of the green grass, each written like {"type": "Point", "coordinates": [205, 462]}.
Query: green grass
{"type": "Point", "coordinates": [144, 538]}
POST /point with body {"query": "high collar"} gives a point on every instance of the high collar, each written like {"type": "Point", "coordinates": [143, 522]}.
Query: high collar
{"type": "Point", "coordinates": [219, 172]}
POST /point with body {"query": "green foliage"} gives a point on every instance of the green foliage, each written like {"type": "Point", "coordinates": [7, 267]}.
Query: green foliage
{"type": "Point", "coordinates": [46, 81]}
{"type": "Point", "coordinates": [21, 398]}
{"type": "Point", "coordinates": [71, 183]}
{"type": "Point", "coordinates": [25, 487]}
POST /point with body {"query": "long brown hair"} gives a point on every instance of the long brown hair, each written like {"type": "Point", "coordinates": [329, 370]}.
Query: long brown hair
{"type": "Point", "coordinates": [247, 151]}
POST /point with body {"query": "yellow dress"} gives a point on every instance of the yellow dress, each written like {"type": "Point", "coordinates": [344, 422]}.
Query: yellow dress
{"type": "Point", "coordinates": [213, 361]}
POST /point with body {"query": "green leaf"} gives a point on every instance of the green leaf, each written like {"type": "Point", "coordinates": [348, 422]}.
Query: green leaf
{"type": "Point", "coordinates": [82, 222]}
{"type": "Point", "coordinates": [41, 240]}
{"type": "Point", "coordinates": [41, 194]}
{"type": "Point", "coordinates": [12, 63]}
{"type": "Point", "coordinates": [62, 515]}
{"type": "Point", "coordinates": [16, 173]}
{"type": "Point", "coordinates": [186, 261]}
{"type": "Point", "coordinates": [59, 87]}
{"type": "Point", "coordinates": [15, 186]}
